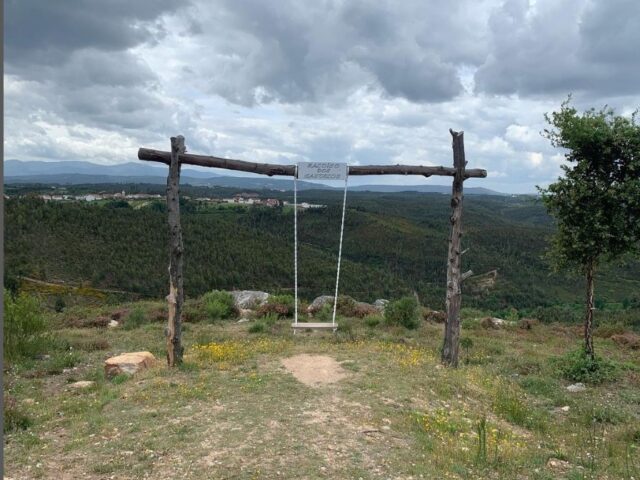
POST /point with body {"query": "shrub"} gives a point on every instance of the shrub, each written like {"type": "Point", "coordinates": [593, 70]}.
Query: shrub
{"type": "Point", "coordinates": [280, 305]}
{"type": "Point", "coordinates": [60, 305]}
{"type": "Point", "coordinates": [219, 305]}
{"type": "Point", "coordinates": [59, 362]}
{"type": "Point", "coordinates": [257, 327]}
{"type": "Point", "coordinates": [403, 312]}
{"type": "Point", "coordinates": [577, 366]}
{"type": "Point", "coordinates": [609, 329]}
{"type": "Point", "coordinates": [373, 320]}
{"type": "Point", "coordinates": [193, 311]}
{"type": "Point", "coordinates": [270, 319]}
{"type": "Point", "coordinates": [14, 418]}
{"type": "Point", "coordinates": [134, 320]}
{"type": "Point", "coordinates": [24, 327]}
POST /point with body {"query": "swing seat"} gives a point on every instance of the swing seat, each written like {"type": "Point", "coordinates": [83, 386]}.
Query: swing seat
{"type": "Point", "coordinates": [314, 326]}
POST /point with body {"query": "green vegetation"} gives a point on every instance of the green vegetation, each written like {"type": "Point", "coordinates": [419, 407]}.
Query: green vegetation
{"type": "Point", "coordinates": [596, 202]}
{"type": "Point", "coordinates": [394, 244]}
{"type": "Point", "coordinates": [502, 414]}
{"type": "Point", "coordinates": [218, 305]}
{"type": "Point", "coordinates": [134, 319]}
{"type": "Point", "coordinates": [25, 328]}
{"type": "Point", "coordinates": [579, 366]}
{"type": "Point", "coordinates": [403, 312]}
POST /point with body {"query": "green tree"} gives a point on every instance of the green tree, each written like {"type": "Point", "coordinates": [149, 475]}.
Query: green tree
{"type": "Point", "coordinates": [596, 203]}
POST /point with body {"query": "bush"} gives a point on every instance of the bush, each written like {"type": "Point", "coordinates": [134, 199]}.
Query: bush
{"type": "Point", "coordinates": [24, 327]}
{"type": "Point", "coordinates": [257, 327]}
{"type": "Point", "coordinates": [280, 305]}
{"type": "Point", "coordinates": [59, 362]}
{"type": "Point", "coordinates": [60, 304]}
{"type": "Point", "coordinates": [577, 366]}
{"type": "Point", "coordinates": [134, 320]}
{"type": "Point", "coordinates": [14, 418]}
{"type": "Point", "coordinates": [373, 320]}
{"type": "Point", "coordinates": [219, 305]}
{"type": "Point", "coordinates": [403, 312]}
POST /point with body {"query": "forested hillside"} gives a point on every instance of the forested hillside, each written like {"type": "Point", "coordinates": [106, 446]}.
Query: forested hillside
{"type": "Point", "coordinates": [394, 244]}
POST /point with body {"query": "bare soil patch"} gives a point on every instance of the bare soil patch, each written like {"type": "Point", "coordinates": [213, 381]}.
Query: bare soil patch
{"type": "Point", "coordinates": [314, 370]}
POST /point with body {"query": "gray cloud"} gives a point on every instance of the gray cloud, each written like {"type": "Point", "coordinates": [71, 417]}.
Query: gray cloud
{"type": "Point", "coordinates": [357, 81]}
{"type": "Point", "coordinates": [47, 31]}
{"type": "Point", "coordinates": [294, 54]}
{"type": "Point", "coordinates": [557, 47]}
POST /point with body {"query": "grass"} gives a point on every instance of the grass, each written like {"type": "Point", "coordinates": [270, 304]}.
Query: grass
{"type": "Point", "coordinates": [232, 411]}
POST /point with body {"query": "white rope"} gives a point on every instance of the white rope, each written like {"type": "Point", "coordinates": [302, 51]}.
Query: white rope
{"type": "Point", "coordinates": [344, 209]}
{"type": "Point", "coordinates": [295, 243]}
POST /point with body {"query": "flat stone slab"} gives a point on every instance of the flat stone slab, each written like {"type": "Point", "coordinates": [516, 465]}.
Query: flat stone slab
{"type": "Point", "coordinates": [128, 363]}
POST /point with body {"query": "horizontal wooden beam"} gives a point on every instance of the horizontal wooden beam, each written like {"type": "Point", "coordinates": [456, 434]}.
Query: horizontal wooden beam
{"type": "Point", "coordinates": [271, 169]}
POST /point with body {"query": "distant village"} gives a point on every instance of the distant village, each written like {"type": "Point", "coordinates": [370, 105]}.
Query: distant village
{"type": "Point", "coordinates": [240, 199]}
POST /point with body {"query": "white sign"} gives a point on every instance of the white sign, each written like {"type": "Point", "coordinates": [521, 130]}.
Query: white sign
{"type": "Point", "coordinates": [322, 171]}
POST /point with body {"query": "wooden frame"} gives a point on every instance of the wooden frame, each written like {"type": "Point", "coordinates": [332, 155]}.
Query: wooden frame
{"type": "Point", "coordinates": [178, 156]}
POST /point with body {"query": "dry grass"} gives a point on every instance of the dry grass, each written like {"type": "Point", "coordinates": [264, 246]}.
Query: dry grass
{"type": "Point", "coordinates": [234, 411]}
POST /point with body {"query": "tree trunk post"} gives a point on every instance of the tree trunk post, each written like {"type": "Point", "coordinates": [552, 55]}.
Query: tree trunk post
{"type": "Point", "coordinates": [588, 321]}
{"type": "Point", "coordinates": [454, 293]}
{"type": "Point", "coordinates": [176, 294]}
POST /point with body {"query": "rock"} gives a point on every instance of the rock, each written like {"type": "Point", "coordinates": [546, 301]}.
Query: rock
{"type": "Point", "coordinates": [566, 408]}
{"type": "Point", "coordinates": [319, 302]}
{"type": "Point", "coordinates": [249, 299]}
{"type": "Point", "coordinates": [128, 363]}
{"type": "Point", "coordinates": [243, 320]}
{"type": "Point", "coordinates": [82, 384]}
{"type": "Point", "coordinates": [576, 387]}
{"type": "Point", "coordinates": [380, 304]}
{"type": "Point", "coordinates": [246, 313]}
{"type": "Point", "coordinates": [557, 464]}
{"type": "Point", "coordinates": [493, 322]}
{"type": "Point", "coordinates": [113, 324]}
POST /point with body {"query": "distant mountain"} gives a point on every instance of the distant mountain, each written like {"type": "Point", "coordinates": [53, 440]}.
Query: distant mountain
{"type": "Point", "coordinates": [77, 172]}
{"type": "Point", "coordinates": [20, 168]}
{"type": "Point", "coordinates": [446, 189]}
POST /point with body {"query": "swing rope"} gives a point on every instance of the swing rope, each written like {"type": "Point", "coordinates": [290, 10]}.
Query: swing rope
{"type": "Point", "coordinates": [295, 246]}
{"type": "Point", "coordinates": [295, 242]}
{"type": "Point", "coordinates": [344, 209]}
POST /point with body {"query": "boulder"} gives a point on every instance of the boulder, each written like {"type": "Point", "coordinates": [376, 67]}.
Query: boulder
{"type": "Point", "coordinates": [320, 302]}
{"type": "Point", "coordinates": [249, 299]}
{"type": "Point", "coordinates": [128, 363]}
{"type": "Point", "coordinates": [558, 465]}
{"type": "Point", "coordinates": [113, 323]}
{"type": "Point", "coordinates": [380, 304]}
{"type": "Point", "coordinates": [576, 387]}
{"type": "Point", "coordinates": [493, 322]}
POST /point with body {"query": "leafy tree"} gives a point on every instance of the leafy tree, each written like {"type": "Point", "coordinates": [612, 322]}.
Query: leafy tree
{"type": "Point", "coordinates": [597, 202]}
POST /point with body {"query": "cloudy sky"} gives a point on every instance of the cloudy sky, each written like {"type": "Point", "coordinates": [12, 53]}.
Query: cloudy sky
{"type": "Point", "coordinates": [354, 81]}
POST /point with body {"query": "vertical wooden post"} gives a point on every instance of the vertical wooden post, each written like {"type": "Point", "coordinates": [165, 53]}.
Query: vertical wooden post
{"type": "Point", "coordinates": [454, 293]}
{"type": "Point", "coordinates": [176, 293]}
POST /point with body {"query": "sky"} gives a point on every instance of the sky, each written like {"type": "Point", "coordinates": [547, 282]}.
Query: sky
{"type": "Point", "coordinates": [361, 82]}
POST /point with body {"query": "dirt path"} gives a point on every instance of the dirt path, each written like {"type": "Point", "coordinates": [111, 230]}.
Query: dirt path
{"type": "Point", "coordinates": [314, 370]}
